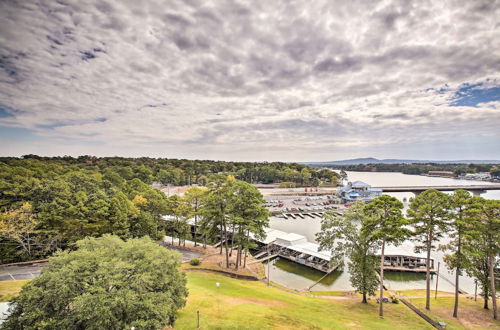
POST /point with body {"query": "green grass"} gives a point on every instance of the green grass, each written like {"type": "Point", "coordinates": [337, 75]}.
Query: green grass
{"type": "Point", "coordinates": [240, 304]}
{"type": "Point", "coordinates": [471, 314]}
{"type": "Point", "coordinates": [10, 289]}
{"type": "Point", "coordinates": [335, 293]}
{"type": "Point", "coordinates": [420, 292]}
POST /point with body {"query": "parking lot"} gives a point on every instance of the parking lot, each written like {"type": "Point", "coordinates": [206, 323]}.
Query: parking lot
{"type": "Point", "coordinates": [296, 204]}
{"type": "Point", "coordinates": [21, 271]}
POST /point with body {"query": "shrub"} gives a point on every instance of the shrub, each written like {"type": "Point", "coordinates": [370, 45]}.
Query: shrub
{"type": "Point", "coordinates": [195, 262]}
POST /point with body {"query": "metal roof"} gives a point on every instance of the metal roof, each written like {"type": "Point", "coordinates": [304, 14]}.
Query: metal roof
{"type": "Point", "coordinates": [405, 249]}
{"type": "Point", "coordinates": [359, 184]}
{"type": "Point", "coordinates": [311, 249]}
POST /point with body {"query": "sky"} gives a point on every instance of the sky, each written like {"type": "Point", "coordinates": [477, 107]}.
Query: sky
{"type": "Point", "coordinates": [251, 80]}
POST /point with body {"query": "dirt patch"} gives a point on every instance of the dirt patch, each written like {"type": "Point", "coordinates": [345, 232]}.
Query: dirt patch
{"type": "Point", "coordinates": [211, 258]}
{"type": "Point", "coordinates": [219, 260]}
{"type": "Point", "coordinates": [470, 318]}
{"type": "Point", "coordinates": [254, 301]}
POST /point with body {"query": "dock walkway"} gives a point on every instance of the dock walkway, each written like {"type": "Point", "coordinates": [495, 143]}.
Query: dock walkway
{"type": "Point", "coordinates": [264, 259]}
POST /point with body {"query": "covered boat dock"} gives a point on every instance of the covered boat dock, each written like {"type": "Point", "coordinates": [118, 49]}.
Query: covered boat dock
{"type": "Point", "coordinates": [403, 258]}
{"type": "Point", "coordinates": [296, 248]}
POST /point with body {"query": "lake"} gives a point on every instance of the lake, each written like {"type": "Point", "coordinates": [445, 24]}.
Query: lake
{"type": "Point", "coordinates": [300, 277]}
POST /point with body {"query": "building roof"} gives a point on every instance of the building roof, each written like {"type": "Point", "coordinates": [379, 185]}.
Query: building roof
{"type": "Point", "coordinates": [359, 184]}
{"type": "Point", "coordinates": [4, 311]}
{"type": "Point", "coordinates": [405, 249]}
{"type": "Point", "coordinates": [311, 249]}
{"type": "Point", "coordinates": [290, 239]}
{"type": "Point", "coordinates": [271, 235]}
{"type": "Point", "coordinates": [189, 221]}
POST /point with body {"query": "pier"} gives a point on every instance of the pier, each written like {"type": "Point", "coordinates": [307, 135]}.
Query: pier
{"type": "Point", "coordinates": [296, 248]}
{"type": "Point", "coordinates": [476, 190]}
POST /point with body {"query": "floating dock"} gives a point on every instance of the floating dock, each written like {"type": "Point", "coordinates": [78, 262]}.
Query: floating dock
{"type": "Point", "coordinates": [404, 259]}
{"type": "Point", "coordinates": [296, 248]}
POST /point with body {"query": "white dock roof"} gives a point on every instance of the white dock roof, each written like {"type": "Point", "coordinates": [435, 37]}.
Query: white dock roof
{"type": "Point", "coordinates": [311, 249]}
{"type": "Point", "coordinates": [271, 235]}
{"type": "Point", "coordinates": [405, 249]}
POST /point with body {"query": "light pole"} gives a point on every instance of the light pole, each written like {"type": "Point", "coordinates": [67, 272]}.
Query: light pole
{"type": "Point", "coordinates": [217, 284]}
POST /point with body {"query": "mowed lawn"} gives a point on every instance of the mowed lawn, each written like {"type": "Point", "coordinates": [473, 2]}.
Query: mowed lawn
{"type": "Point", "coordinates": [10, 289]}
{"type": "Point", "coordinates": [238, 304]}
{"type": "Point", "coordinates": [471, 314]}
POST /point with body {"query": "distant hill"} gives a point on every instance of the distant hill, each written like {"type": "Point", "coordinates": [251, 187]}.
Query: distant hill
{"type": "Point", "coordinates": [371, 160]}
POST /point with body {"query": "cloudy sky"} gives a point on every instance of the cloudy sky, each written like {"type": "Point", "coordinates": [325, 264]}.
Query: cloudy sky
{"type": "Point", "coordinates": [255, 80]}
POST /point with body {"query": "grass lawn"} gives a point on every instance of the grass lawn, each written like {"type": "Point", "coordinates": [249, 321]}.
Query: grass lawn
{"type": "Point", "coordinates": [471, 314]}
{"type": "Point", "coordinates": [335, 293]}
{"type": "Point", "coordinates": [10, 289]}
{"type": "Point", "coordinates": [421, 293]}
{"type": "Point", "coordinates": [240, 304]}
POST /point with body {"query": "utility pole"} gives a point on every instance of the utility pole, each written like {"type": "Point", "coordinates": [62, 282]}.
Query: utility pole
{"type": "Point", "coordinates": [198, 317]}
{"type": "Point", "coordinates": [217, 284]}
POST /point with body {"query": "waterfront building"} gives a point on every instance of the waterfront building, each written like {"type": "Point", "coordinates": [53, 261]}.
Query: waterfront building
{"type": "Point", "coordinates": [483, 176]}
{"type": "Point", "coordinates": [358, 191]}
{"type": "Point", "coordinates": [443, 174]}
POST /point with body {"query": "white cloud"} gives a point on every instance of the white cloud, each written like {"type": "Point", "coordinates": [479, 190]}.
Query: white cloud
{"type": "Point", "coordinates": [253, 80]}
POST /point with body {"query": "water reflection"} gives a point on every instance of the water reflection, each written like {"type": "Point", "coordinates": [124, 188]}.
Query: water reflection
{"type": "Point", "coordinates": [403, 277]}
{"type": "Point", "coordinates": [300, 277]}
{"type": "Point", "coordinates": [297, 276]}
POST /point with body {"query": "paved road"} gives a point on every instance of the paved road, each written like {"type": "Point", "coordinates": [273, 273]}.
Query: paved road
{"type": "Point", "coordinates": [20, 272]}
{"type": "Point", "coordinates": [30, 271]}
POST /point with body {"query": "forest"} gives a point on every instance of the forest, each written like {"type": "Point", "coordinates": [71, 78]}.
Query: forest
{"type": "Point", "coordinates": [48, 203]}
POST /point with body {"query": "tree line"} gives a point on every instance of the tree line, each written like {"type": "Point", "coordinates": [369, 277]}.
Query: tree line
{"type": "Point", "coordinates": [419, 168]}
{"type": "Point", "coordinates": [363, 232]}
{"type": "Point", "coordinates": [182, 171]}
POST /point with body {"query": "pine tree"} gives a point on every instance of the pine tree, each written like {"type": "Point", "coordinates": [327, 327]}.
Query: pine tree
{"type": "Point", "coordinates": [428, 216]}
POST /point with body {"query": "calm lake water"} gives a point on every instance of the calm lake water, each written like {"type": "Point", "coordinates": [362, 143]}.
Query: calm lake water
{"type": "Point", "coordinates": [300, 277]}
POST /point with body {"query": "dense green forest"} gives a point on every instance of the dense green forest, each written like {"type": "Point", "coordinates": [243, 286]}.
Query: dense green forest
{"type": "Point", "coordinates": [50, 203]}
{"type": "Point", "coordinates": [421, 168]}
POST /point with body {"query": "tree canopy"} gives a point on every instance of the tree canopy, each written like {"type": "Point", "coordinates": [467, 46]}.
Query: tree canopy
{"type": "Point", "coordinates": [343, 236]}
{"type": "Point", "coordinates": [429, 215]}
{"type": "Point", "coordinates": [106, 283]}
{"type": "Point", "coordinates": [385, 223]}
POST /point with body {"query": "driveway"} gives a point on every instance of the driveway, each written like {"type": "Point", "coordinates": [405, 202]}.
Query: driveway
{"type": "Point", "coordinates": [21, 271]}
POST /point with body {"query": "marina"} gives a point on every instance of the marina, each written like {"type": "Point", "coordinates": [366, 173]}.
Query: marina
{"type": "Point", "coordinates": [294, 257]}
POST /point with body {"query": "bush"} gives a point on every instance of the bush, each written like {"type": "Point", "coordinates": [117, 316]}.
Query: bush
{"type": "Point", "coordinates": [288, 185]}
{"type": "Point", "coordinates": [106, 283]}
{"type": "Point", "coordinates": [394, 300]}
{"type": "Point", "coordinates": [195, 262]}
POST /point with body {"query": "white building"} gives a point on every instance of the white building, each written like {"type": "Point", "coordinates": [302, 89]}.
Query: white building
{"type": "Point", "coordinates": [358, 191]}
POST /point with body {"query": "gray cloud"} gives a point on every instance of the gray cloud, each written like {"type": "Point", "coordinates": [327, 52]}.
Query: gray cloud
{"type": "Point", "coordinates": [322, 80]}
